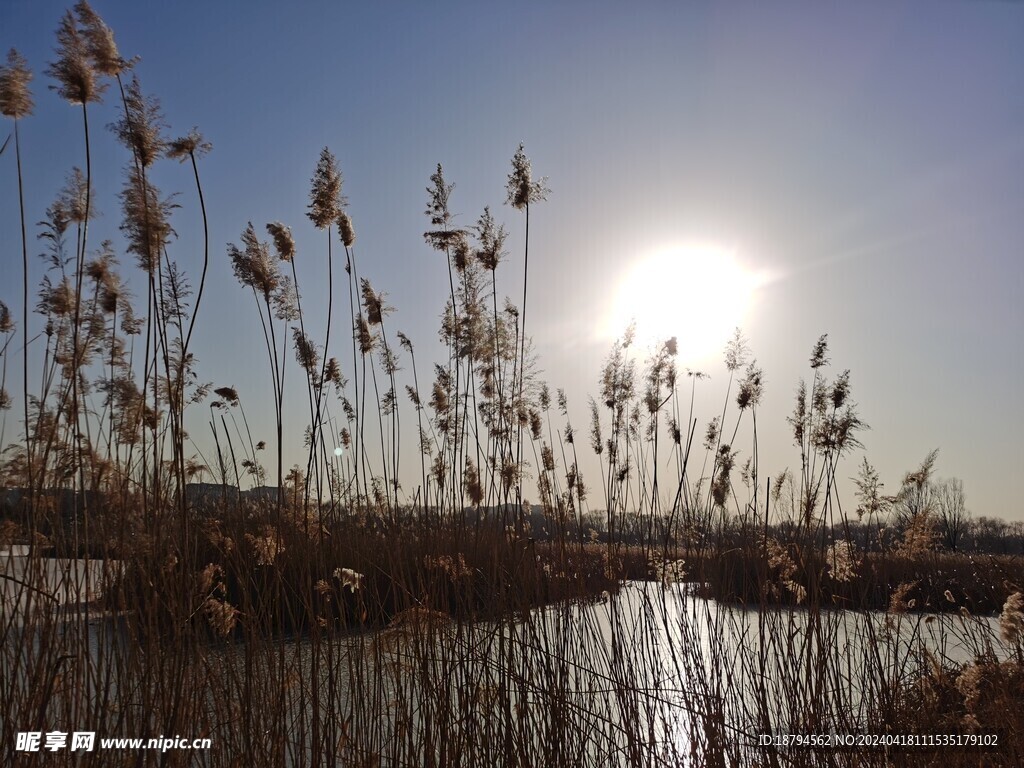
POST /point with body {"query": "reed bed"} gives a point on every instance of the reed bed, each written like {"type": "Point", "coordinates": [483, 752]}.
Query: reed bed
{"type": "Point", "coordinates": [355, 611]}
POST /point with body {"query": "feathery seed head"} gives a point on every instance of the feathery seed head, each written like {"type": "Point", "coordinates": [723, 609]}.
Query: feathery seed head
{"type": "Point", "coordinates": [841, 390]}
{"type": "Point", "coordinates": [474, 488]}
{"type": "Point", "coordinates": [99, 41]}
{"type": "Point", "coordinates": [373, 302]}
{"type": "Point", "coordinates": [547, 458]}
{"type": "Point", "coordinates": [799, 418]}
{"type": "Point", "coordinates": [56, 301]}
{"type": "Point", "coordinates": [146, 221]}
{"type": "Point", "coordinates": [819, 355]}
{"type": "Point", "coordinates": [920, 477]}
{"type": "Point", "coordinates": [98, 269]}
{"type": "Point", "coordinates": [305, 352]}
{"type": "Point", "coordinates": [842, 560]}
{"type": "Point", "coordinates": [751, 388]}
{"type": "Point", "coordinates": [6, 322]}
{"type": "Point", "coordinates": [736, 351]}
{"type": "Point", "coordinates": [141, 128]}
{"type": "Point", "coordinates": [596, 441]}
{"type": "Point", "coordinates": [437, 206]}
{"type": "Point", "coordinates": [325, 199]}
{"type": "Point", "coordinates": [721, 484]}
{"type": "Point", "coordinates": [461, 251]}
{"type": "Point", "coordinates": [73, 69]}
{"type": "Point", "coordinates": [869, 491]}
{"type": "Point", "coordinates": [15, 97]}
{"type": "Point", "coordinates": [266, 547]}
{"type": "Point", "coordinates": [898, 602]}
{"type": "Point", "coordinates": [819, 400]}
{"type": "Point", "coordinates": [509, 474]}
{"type": "Point", "coordinates": [444, 239]}
{"type": "Point", "coordinates": [522, 189]}
{"type": "Point", "coordinates": [364, 336]}
{"type": "Point", "coordinates": [283, 241]}
{"type": "Point", "coordinates": [74, 196]}
{"type": "Point", "coordinates": [711, 435]}
{"type": "Point", "coordinates": [778, 485]}
{"type": "Point", "coordinates": [190, 145]}
{"type": "Point", "coordinates": [1011, 620]}
{"type": "Point", "coordinates": [414, 396]}
{"type": "Point", "coordinates": [439, 396]}
{"type": "Point", "coordinates": [971, 682]}
{"type": "Point", "coordinates": [285, 299]}
{"type": "Point", "coordinates": [491, 237]}
{"type": "Point", "coordinates": [253, 266]}
{"type": "Point", "coordinates": [345, 229]}
{"type": "Point", "coordinates": [439, 469]}
{"type": "Point", "coordinates": [107, 280]}
{"type": "Point", "coordinates": [332, 373]}
{"type": "Point", "coordinates": [130, 324]}
{"type": "Point", "coordinates": [111, 295]}
{"type": "Point", "coordinates": [221, 615]}
{"type": "Point", "coordinates": [230, 394]}
{"type": "Point", "coordinates": [536, 424]}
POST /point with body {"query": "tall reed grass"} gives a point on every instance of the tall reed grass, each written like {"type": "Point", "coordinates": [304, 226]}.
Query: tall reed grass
{"type": "Point", "coordinates": [355, 612]}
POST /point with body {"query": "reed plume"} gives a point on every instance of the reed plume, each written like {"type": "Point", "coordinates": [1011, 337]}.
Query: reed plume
{"type": "Point", "coordinates": [521, 188]}
{"type": "Point", "coordinates": [345, 230]}
{"type": "Point", "coordinates": [283, 240]}
{"type": "Point", "coordinates": [142, 127]}
{"type": "Point", "coordinates": [253, 266]}
{"type": "Point", "coordinates": [99, 41]}
{"type": "Point", "coordinates": [326, 200]}
{"type": "Point", "coordinates": [74, 69]}
{"type": "Point", "coordinates": [15, 96]}
{"type": "Point", "coordinates": [146, 222]}
{"type": "Point", "coordinates": [192, 144]}
{"type": "Point", "coordinates": [491, 237]}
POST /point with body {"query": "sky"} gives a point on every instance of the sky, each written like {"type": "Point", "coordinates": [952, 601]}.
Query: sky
{"type": "Point", "coordinates": [793, 168]}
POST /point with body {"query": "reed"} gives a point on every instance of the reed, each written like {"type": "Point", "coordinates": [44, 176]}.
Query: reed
{"type": "Point", "coordinates": [338, 617]}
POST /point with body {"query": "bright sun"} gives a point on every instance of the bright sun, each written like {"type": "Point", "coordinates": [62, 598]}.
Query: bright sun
{"type": "Point", "coordinates": [699, 294]}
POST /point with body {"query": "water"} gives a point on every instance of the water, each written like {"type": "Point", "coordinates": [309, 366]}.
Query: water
{"type": "Point", "coordinates": [66, 584]}
{"type": "Point", "coordinates": [624, 680]}
{"type": "Point", "coordinates": [627, 679]}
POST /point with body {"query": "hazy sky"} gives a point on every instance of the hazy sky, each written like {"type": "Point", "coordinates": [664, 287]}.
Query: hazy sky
{"type": "Point", "coordinates": [862, 164]}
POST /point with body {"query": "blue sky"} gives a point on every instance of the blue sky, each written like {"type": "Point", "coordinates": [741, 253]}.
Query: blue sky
{"type": "Point", "coordinates": [865, 161]}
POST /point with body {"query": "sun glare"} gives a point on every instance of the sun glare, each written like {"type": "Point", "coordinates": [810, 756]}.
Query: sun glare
{"type": "Point", "coordinates": [698, 294]}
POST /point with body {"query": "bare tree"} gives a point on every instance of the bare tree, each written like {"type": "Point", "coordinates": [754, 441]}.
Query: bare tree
{"type": "Point", "coordinates": [1015, 537]}
{"type": "Point", "coordinates": [989, 534]}
{"type": "Point", "coordinates": [951, 506]}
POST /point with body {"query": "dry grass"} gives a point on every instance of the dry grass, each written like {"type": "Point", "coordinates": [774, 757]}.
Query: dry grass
{"type": "Point", "coordinates": [339, 619]}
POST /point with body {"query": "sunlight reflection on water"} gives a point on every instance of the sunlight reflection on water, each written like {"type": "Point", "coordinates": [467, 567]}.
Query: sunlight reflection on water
{"type": "Point", "coordinates": [631, 674]}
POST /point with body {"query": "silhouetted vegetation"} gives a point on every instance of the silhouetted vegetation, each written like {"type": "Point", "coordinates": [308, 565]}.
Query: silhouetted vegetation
{"type": "Point", "coordinates": [356, 611]}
